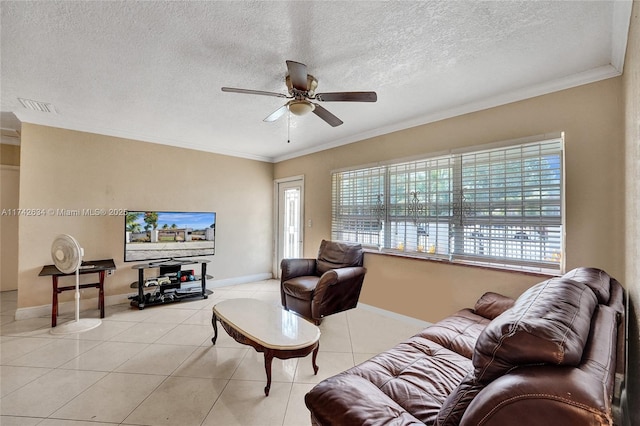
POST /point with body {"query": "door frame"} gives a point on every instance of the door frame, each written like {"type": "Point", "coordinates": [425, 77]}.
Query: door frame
{"type": "Point", "coordinates": [276, 218]}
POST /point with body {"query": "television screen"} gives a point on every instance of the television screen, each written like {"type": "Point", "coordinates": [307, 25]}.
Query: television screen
{"type": "Point", "coordinates": [154, 235]}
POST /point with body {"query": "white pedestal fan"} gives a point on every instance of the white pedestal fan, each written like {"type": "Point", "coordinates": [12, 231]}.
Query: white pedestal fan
{"type": "Point", "coordinates": [67, 256]}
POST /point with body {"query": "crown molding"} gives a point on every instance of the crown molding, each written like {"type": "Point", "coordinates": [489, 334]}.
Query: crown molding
{"type": "Point", "coordinates": [574, 80]}
{"type": "Point", "coordinates": [46, 119]}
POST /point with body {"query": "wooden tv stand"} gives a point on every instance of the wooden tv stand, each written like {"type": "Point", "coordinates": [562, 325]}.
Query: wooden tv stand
{"type": "Point", "coordinates": [169, 292]}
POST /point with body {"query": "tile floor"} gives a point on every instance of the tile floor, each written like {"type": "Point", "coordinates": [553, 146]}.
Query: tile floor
{"type": "Point", "coordinates": [158, 366]}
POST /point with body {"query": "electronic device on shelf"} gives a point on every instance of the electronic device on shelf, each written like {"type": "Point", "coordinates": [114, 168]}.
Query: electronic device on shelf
{"type": "Point", "coordinates": [150, 282]}
{"type": "Point", "coordinates": [171, 284]}
{"type": "Point", "coordinates": [166, 236]}
{"type": "Point", "coordinates": [164, 281]}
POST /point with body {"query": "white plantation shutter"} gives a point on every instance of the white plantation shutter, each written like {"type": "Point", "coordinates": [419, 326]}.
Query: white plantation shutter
{"type": "Point", "coordinates": [500, 206]}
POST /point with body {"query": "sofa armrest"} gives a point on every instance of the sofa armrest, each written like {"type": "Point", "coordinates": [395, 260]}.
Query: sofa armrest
{"type": "Point", "coordinates": [292, 268]}
{"type": "Point", "coordinates": [490, 305]}
{"type": "Point", "coordinates": [348, 399]}
{"type": "Point", "coordinates": [550, 395]}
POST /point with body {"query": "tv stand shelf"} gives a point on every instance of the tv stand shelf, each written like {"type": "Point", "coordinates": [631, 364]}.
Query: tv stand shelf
{"type": "Point", "coordinates": [172, 290]}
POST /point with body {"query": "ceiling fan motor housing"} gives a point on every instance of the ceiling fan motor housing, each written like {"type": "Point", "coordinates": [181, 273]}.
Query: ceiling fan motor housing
{"type": "Point", "coordinates": [312, 84]}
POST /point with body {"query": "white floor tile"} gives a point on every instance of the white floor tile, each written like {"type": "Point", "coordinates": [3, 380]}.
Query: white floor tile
{"type": "Point", "coordinates": [252, 368]}
{"type": "Point", "coordinates": [49, 392]}
{"type": "Point", "coordinates": [19, 421]}
{"type": "Point", "coordinates": [183, 401]}
{"type": "Point", "coordinates": [157, 359]}
{"type": "Point", "coordinates": [243, 403]}
{"type": "Point", "coordinates": [143, 333]}
{"type": "Point", "coordinates": [16, 347]}
{"type": "Point", "coordinates": [107, 356]}
{"type": "Point", "coordinates": [297, 413]}
{"type": "Point", "coordinates": [188, 334]}
{"type": "Point", "coordinates": [157, 366]}
{"type": "Point", "coordinates": [329, 364]}
{"type": "Point", "coordinates": [55, 354]}
{"type": "Point", "coordinates": [212, 362]}
{"type": "Point", "coordinates": [13, 378]}
{"type": "Point", "coordinates": [111, 399]}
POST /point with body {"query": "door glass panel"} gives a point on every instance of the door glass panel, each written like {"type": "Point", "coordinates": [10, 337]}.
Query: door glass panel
{"type": "Point", "coordinates": [291, 221]}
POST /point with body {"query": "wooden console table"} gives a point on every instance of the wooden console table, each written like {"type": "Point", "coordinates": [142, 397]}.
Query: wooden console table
{"type": "Point", "coordinates": [90, 267]}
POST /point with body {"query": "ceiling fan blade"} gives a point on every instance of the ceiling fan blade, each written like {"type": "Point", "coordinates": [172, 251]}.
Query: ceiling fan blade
{"type": "Point", "coordinates": [347, 97]}
{"type": "Point", "coordinates": [327, 116]}
{"type": "Point", "coordinates": [298, 75]}
{"type": "Point", "coordinates": [276, 114]}
{"type": "Point", "coordinates": [253, 92]}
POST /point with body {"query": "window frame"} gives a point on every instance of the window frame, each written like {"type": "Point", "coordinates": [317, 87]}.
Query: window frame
{"type": "Point", "coordinates": [375, 216]}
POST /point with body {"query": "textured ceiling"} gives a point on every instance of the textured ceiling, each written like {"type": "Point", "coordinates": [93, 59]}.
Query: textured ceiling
{"type": "Point", "coordinates": [153, 70]}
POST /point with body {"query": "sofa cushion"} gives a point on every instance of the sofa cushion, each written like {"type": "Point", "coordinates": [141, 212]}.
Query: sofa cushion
{"type": "Point", "coordinates": [457, 332]}
{"type": "Point", "coordinates": [417, 375]}
{"type": "Point", "coordinates": [347, 399]}
{"type": "Point", "coordinates": [334, 255]}
{"type": "Point", "coordinates": [549, 323]}
{"type": "Point", "coordinates": [598, 280]}
{"type": "Point", "coordinates": [490, 305]}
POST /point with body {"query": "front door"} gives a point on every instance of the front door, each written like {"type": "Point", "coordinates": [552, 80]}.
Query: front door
{"type": "Point", "coordinates": [289, 229]}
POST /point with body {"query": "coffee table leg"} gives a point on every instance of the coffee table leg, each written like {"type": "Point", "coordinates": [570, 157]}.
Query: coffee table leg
{"type": "Point", "coordinates": [214, 322]}
{"type": "Point", "coordinates": [313, 359]}
{"type": "Point", "coordinates": [268, 358]}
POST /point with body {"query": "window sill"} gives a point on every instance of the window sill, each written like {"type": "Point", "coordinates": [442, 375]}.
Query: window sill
{"type": "Point", "coordinates": [461, 263]}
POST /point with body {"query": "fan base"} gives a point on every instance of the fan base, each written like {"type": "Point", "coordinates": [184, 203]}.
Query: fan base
{"type": "Point", "coordinates": [84, 324]}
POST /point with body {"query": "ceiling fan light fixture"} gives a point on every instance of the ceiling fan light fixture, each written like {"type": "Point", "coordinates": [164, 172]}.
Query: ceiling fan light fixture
{"type": "Point", "coordinates": [300, 107]}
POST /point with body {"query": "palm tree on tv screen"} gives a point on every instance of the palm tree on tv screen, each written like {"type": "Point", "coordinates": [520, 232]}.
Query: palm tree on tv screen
{"type": "Point", "coordinates": [131, 222]}
{"type": "Point", "coordinates": [151, 220]}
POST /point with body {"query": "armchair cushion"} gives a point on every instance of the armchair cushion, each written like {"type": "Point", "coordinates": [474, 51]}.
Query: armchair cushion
{"type": "Point", "coordinates": [301, 287]}
{"type": "Point", "coordinates": [335, 255]}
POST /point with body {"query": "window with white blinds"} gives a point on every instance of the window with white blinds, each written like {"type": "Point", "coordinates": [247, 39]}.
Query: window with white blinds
{"type": "Point", "coordinates": [500, 207]}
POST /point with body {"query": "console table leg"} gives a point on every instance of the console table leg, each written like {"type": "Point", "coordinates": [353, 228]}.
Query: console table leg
{"type": "Point", "coordinates": [268, 358]}
{"type": "Point", "coordinates": [54, 303]}
{"type": "Point", "coordinates": [214, 323]}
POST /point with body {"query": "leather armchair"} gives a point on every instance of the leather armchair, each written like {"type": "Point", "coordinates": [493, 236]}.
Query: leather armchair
{"type": "Point", "coordinates": [315, 288]}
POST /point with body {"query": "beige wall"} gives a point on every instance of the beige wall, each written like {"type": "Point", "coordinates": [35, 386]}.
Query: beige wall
{"type": "Point", "coordinates": [590, 116]}
{"type": "Point", "coordinates": [63, 169]}
{"type": "Point", "coordinates": [631, 91]}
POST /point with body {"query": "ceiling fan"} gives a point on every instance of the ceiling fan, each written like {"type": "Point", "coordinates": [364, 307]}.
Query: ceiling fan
{"type": "Point", "coordinates": [301, 87]}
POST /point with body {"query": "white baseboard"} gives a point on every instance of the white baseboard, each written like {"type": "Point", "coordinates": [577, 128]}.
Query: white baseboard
{"type": "Point", "coordinates": [239, 280]}
{"type": "Point", "coordinates": [394, 315]}
{"type": "Point", "coordinates": [92, 303]}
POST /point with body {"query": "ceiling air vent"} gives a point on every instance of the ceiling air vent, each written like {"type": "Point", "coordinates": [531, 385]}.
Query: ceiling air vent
{"type": "Point", "coordinates": [37, 105]}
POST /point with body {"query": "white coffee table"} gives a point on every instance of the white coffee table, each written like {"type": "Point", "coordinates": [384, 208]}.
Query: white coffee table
{"type": "Point", "coordinates": [267, 328]}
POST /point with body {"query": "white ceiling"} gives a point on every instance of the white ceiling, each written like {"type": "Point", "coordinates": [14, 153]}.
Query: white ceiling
{"type": "Point", "coordinates": [153, 70]}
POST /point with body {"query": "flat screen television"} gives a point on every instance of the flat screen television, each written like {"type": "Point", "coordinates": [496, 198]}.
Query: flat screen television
{"type": "Point", "coordinates": [163, 235]}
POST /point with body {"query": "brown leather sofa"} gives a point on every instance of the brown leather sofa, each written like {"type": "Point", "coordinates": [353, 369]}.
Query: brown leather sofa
{"type": "Point", "coordinates": [547, 358]}
{"type": "Point", "coordinates": [315, 288]}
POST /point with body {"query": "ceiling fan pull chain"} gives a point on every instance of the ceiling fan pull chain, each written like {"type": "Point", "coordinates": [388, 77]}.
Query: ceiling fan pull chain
{"type": "Point", "coordinates": [289, 127]}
